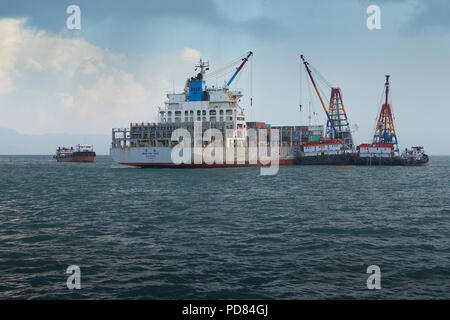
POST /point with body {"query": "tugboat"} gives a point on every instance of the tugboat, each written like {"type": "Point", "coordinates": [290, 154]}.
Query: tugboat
{"type": "Point", "coordinates": [414, 157]}
{"type": "Point", "coordinates": [82, 153]}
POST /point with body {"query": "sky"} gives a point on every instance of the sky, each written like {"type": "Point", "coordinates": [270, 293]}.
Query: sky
{"type": "Point", "coordinates": [127, 55]}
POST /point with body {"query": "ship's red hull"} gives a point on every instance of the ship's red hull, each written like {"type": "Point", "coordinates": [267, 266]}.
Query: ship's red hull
{"type": "Point", "coordinates": [77, 159]}
{"type": "Point", "coordinates": [84, 156]}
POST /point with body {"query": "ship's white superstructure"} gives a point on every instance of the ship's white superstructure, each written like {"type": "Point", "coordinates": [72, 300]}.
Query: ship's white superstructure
{"type": "Point", "coordinates": [207, 104]}
{"type": "Point", "coordinates": [85, 148]}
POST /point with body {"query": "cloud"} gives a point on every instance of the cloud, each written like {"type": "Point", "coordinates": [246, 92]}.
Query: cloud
{"type": "Point", "coordinates": [28, 49]}
{"type": "Point", "coordinates": [191, 55]}
{"type": "Point", "coordinates": [136, 15]}
{"type": "Point", "coordinates": [420, 16]}
{"type": "Point", "coordinates": [49, 83]}
{"type": "Point", "coordinates": [10, 45]}
{"type": "Point", "coordinates": [430, 15]}
{"type": "Point", "coordinates": [66, 99]}
{"type": "Point", "coordinates": [52, 83]}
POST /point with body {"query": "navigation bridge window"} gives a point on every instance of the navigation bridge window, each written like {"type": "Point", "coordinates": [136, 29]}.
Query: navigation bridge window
{"type": "Point", "coordinates": [177, 116]}
{"type": "Point", "coordinates": [212, 115]}
{"type": "Point", "coordinates": [229, 115]}
{"type": "Point", "coordinates": [163, 116]}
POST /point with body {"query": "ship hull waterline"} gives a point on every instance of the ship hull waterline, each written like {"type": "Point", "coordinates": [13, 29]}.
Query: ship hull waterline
{"type": "Point", "coordinates": [77, 157]}
{"type": "Point", "coordinates": [160, 157]}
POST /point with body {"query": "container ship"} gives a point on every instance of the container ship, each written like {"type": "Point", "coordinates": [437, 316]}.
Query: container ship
{"type": "Point", "coordinates": [82, 153]}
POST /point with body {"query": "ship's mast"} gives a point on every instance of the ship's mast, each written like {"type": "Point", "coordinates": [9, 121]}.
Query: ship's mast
{"type": "Point", "coordinates": [339, 117]}
{"type": "Point", "coordinates": [204, 66]}
{"type": "Point", "coordinates": [385, 130]}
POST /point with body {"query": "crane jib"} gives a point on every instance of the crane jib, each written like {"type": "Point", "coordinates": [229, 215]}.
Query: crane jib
{"type": "Point", "coordinates": [318, 94]}
{"type": "Point", "coordinates": [239, 68]}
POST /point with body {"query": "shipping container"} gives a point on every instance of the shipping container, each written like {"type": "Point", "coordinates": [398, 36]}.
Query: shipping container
{"type": "Point", "coordinates": [260, 125]}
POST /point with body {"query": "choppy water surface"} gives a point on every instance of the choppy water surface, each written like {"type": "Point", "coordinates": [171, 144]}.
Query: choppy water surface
{"type": "Point", "coordinates": [308, 232]}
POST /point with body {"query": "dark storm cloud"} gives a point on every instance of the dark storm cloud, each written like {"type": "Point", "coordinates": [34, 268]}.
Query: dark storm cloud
{"type": "Point", "coordinates": [427, 15]}
{"type": "Point", "coordinates": [50, 14]}
{"type": "Point", "coordinates": [431, 14]}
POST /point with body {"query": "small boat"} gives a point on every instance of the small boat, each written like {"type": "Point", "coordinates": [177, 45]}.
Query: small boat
{"type": "Point", "coordinates": [414, 157]}
{"type": "Point", "coordinates": [82, 153]}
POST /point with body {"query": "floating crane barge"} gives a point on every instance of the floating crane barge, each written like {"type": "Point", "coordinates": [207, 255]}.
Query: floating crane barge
{"type": "Point", "coordinates": [337, 146]}
{"type": "Point", "coordinates": [384, 147]}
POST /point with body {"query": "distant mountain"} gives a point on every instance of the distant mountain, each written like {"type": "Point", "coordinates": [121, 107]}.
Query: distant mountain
{"type": "Point", "coordinates": [13, 142]}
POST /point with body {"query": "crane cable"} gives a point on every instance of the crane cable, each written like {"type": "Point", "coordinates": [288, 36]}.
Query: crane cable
{"type": "Point", "coordinates": [300, 89]}
{"type": "Point", "coordinates": [380, 104]}
{"type": "Point", "coordinates": [322, 80]}
{"type": "Point", "coordinates": [225, 69]}
{"type": "Point", "coordinates": [311, 103]}
{"type": "Point", "coordinates": [251, 83]}
{"type": "Point", "coordinates": [320, 76]}
{"type": "Point", "coordinates": [394, 122]}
